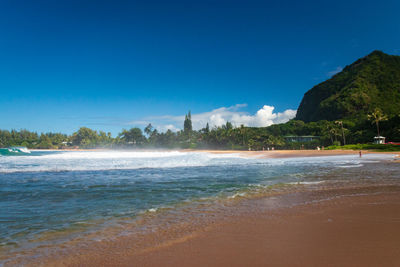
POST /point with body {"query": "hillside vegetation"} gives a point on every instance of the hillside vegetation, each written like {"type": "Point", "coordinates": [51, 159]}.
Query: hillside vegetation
{"type": "Point", "coordinates": [368, 83]}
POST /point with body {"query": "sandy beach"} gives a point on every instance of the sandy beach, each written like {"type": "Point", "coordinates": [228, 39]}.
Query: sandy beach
{"type": "Point", "coordinates": [335, 227]}
{"type": "Point", "coordinates": [358, 230]}
{"type": "Point", "coordinates": [293, 153]}
{"type": "Point", "coordinates": [263, 154]}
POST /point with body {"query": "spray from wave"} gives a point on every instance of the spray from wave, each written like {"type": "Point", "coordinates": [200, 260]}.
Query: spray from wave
{"type": "Point", "coordinates": [112, 160]}
{"type": "Point", "coordinates": [125, 160]}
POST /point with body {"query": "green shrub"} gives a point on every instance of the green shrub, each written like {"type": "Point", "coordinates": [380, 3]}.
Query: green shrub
{"type": "Point", "coordinates": [374, 147]}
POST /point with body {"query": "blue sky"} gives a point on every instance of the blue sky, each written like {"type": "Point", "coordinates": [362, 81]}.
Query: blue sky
{"type": "Point", "coordinates": [118, 64]}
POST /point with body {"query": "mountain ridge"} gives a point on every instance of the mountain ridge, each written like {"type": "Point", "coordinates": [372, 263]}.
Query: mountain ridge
{"type": "Point", "coordinates": [370, 82]}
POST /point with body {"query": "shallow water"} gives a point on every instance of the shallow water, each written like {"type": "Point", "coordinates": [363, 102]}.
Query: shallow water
{"type": "Point", "coordinates": [45, 195]}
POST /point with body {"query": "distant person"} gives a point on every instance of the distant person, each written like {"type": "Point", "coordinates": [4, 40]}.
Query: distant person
{"type": "Point", "coordinates": [360, 153]}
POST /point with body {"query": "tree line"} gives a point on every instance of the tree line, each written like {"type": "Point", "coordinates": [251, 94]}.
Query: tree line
{"type": "Point", "coordinates": [223, 137]}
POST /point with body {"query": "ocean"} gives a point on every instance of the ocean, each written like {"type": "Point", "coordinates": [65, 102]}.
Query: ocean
{"type": "Point", "coordinates": [51, 196]}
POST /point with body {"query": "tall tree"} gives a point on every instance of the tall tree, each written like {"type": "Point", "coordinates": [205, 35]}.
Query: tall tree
{"type": "Point", "coordinates": [134, 136]}
{"type": "Point", "coordinates": [242, 132]}
{"type": "Point", "coordinates": [376, 116]}
{"type": "Point", "coordinates": [340, 123]}
{"type": "Point", "coordinates": [149, 129]}
{"type": "Point", "coordinates": [187, 124]}
{"type": "Point", "coordinates": [85, 137]}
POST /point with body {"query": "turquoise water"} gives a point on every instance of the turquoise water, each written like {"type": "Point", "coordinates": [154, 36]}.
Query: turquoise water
{"type": "Point", "coordinates": [14, 151]}
{"type": "Point", "coordinates": [44, 192]}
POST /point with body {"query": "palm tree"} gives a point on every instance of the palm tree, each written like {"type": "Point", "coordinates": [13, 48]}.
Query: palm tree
{"type": "Point", "coordinates": [242, 132]}
{"type": "Point", "coordinates": [341, 125]}
{"type": "Point", "coordinates": [333, 133]}
{"type": "Point", "coordinates": [376, 116]}
{"type": "Point", "coordinates": [149, 129]}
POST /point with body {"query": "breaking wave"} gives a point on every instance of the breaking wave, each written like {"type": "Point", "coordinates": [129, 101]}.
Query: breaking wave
{"type": "Point", "coordinates": [14, 151]}
{"type": "Point", "coordinates": [56, 161]}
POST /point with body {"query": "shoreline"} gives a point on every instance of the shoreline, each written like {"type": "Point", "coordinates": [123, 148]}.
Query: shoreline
{"type": "Point", "coordinates": [346, 226]}
{"type": "Point", "coordinates": [352, 231]}
{"type": "Point", "coordinates": [296, 153]}
{"type": "Point", "coordinates": [244, 153]}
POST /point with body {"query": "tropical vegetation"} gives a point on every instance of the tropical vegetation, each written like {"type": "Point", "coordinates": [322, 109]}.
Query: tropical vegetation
{"type": "Point", "coordinates": [227, 136]}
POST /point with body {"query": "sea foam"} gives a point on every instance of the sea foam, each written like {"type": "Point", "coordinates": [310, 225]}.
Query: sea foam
{"type": "Point", "coordinates": [123, 160]}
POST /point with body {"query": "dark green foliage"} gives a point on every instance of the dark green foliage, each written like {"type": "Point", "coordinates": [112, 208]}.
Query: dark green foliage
{"type": "Point", "coordinates": [133, 137]}
{"type": "Point", "coordinates": [224, 137]}
{"type": "Point", "coordinates": [149, 129]}
{"type": "Point", "coordinates": [207, 129]}
{"type": "Point", "coordinates": [45, 142]}
{"type": "Point", "coordinates": [31, 139]}
{"type": "Point", "coordinates": [370, 82]}
{"type": "Point", "coordinates": [85, 137]}
{"type": "Point", "coordinates": [187, 124]}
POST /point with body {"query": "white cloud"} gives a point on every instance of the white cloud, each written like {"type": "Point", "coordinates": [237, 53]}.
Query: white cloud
{"type": "Point", "coordinates": [217, 117]}
{"type": "Point", "coordinates": [335, 71]}
{"type": "Point", "coordinates": [166, 127]}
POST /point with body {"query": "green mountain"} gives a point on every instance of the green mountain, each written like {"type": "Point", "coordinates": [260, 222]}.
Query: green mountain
{"type": "Point", "coordinates": [370, 82]}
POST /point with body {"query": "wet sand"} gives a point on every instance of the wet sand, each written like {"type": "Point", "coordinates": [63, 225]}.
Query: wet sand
{"type": "Point", "coordinates": [293, 153]}
{"type": "Point", "coordinates": [354, 231]}
{"type": "Point", "coordinates": [262, 154]}
{"type": "Point", "coordinates": [331, 227]}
